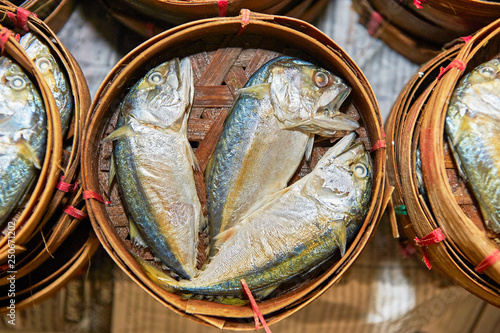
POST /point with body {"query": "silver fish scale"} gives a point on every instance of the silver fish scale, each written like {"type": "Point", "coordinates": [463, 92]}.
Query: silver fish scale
{"type": "Point", "coordinates": [23, 135]}
{"type": "Point", "coordinates": [51, 71]}
{"type": "Point", "coordinates": [473, 127]}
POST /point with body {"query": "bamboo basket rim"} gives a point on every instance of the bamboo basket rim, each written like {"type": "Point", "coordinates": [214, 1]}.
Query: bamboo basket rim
{"type": "Point", "coordinates": [81, 101]}
{"type": "Point", "coordinates": [115, 79]}
{"type": "Point", "coordinates": [482, 247]}
{"type": "Point", "coordinates": [41, 195]}
{"type": "Point", "coordinates": [446, 255]}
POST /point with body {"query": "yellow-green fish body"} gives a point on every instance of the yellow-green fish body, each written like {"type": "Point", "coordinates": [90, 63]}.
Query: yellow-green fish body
{"type": "Point", "coordinates": [57, 81]}
{"type": "Point", "coordinates": [473, 128]}
{"type": "Point", "coordinates": [23, 135]}
{"type": "Point", "coordinates": [292, 232]}
{"type": "Point", "coordinates": [270, 128]}
{"type": "Point", "coordinates": [154, 166]}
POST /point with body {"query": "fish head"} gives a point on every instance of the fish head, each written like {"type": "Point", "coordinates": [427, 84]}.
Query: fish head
{"type": "Point", "coordinates": [43, 59]}
{"type": "Point", "coordinates": [341, 181]}
{"type": "Point", "coordinates": [307, 97]}
{"type": "Point", "coordinates": [163, 95]}
{"type": "Point", "coordinates": [19, 94]}
{"type": "Point", "coordinates": [483, 84]}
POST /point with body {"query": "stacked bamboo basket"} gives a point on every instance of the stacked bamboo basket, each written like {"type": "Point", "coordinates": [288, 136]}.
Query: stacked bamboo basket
{"type": "Point", "coordinates": [54, 13]}
{"type": "Point", "coordinates": [225, 52]}
{"type": "Point", "coordinates": [42, 246]}
{"type": "Point", "coordinates": [150, 17]}
{"type": "Point", "coordinates": [417, 122]}
{"type": "Point", "coordinates": [419, 29]}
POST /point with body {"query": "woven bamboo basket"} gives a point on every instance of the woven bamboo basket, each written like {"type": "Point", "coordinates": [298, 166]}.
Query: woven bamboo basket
{"type": "Point", "coordinates": [420, 33]}
{"type": "Point", "coordinates": [225, 52]}
{"type": "Point", "coordinates": [40, 227]}
{"type": "Point", "coordinates": [147, 24]}
{"type": "Point", "coordinates": [417, 120]}
{"type": "Point", "coordinates": [55, 13]}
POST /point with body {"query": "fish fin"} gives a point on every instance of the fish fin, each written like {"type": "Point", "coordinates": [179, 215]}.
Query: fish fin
{"type": "Point", "coordinates": [458, 161]}
{"type": "Point", "coordinates": [119, 133]}
{"type": "Point", "coordinates": [156, 275]}
{"type": "Point", "coordinates": [264, 201]}
{"type": "Point", "coordinates": [224, 236]}
{"type": "Point", "coordinates": [257, 91]}
{"type": "Point", "coordinates": [191, 156]}
{"type": "Point", "coordinates": [232, 301]}
{"type": "Point", "coordinates": [208, 168]}
{"type": "Point", "coordinates": [135, 237]}
{"type": "Point", "coordinates": [112, 172]}
{"type": "Point", "coordinates": [340, 235]}
{"type": "Point", "coordinates": [259, 294]}
{"type": "Point", "coordinates": [26, 150]}
{"type": "Point", "coordinates": [309, 147]}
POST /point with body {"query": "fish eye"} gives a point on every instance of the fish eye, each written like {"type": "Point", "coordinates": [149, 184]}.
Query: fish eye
{"type": "Point", "coordinates": [43, 64]}
{"type": "Point", "coordinates": [360, 170]}
{"type": "Point", "coordinates": [321, 79]}
{"type": "Point", "coordinates": [17, 82]}
{"type": "Point", "coordinates": [487, 71]}
{"type": "Point", "coordinates": [155, 78]}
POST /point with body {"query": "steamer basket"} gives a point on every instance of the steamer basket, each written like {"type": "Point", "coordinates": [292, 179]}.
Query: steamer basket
{"type": "Point", "coordinates": [224, 56]}
{"type": "Point", "coordinates": [417, 118]}
{"type": "Point", "coordinates": [55, 13]}
{"type": "Point", "coordinates": [149, 25]}
{"type": "Point", "coordinates": [419, 34]}
{"type": "Point", "coordinates": [43, 225]}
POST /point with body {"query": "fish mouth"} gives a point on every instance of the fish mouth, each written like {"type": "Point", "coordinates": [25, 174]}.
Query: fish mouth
{"type": "Point", "coordinates": [328, 119]}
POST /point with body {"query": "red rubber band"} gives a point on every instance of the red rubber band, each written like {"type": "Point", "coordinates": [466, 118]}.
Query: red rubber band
{"type": "Point", "coordinates": [76, 213]}
{"type": "Point", "coordinates": [222, 5]}
{"type": "Point", "coordinates": [4, 37]}
{"type": "Point", "coordinates": [20, 18]}
{"type": "Point", "coordinates": [434, 237]}
{"type": "Point", "coordinates": [454, 64]}
{"type": "Point", "coordinates": [466, 39]}
{"type": "Point", "coordinates": [66, 187]}
{"type": "Point", "coordinates": [375, 21]}
{"type": "Point", "coordinates": [379, 144]}
{"type": "Point", "coordinates": [488, 262]}
{"type": "Point", "coordinates": [245, 20]}
{"type": "Point", "coordinates": [96, 196]}
{"type": "Point", "coordinates": [418, 3]}
{"type": "Point", "coordinates": [255, 308]}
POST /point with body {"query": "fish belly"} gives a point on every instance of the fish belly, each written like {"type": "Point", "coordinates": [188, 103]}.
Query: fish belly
{"type": "Point", "coordinates": [159, 193]}
{"type": "Point", "coordinates": [253, 159]}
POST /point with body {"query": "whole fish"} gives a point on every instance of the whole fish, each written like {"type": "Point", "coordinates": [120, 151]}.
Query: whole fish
{"type": "Point", "coordinates": [270, 128]}
{"type": "Point", "coordinates": [154, 165]}
{"type": "Point", "coordinates": [57, 81]}
{"type": "Point", "coordinates": [473, 128]}
{"type": "Point", "coordinates": [294, 231]}
{"type": "Point", "coordinates": [23, 135]}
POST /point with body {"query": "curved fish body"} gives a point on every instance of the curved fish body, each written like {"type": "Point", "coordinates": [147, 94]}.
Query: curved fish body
{"type": "Point", "coordinates": [473, 128]}
{"type": "Point", "coordinates": [154, 166]}
{"type": "Point", "coordinates": [270, 128]}
{"type": "Point", "coordinates": [294, 231]}
{"type": "Point", "coordinates": [51, 72]}
{"type": "Point", "coordinates": [23, 135]}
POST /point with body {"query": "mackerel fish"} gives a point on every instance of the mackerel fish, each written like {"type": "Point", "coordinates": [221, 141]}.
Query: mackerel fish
{"type": "Point", "coordinates": [23, 135]}
{"type": "Point", "coordinates": [270, 128]}
{"type": "Point", "coordinates": [57, 81]}
{"type": "Point", "coordinates": [154, 163]}
{"type": "Point", "coordinates": [294, 231]}
{"type": "Point", "coordinates": [473, 128]}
